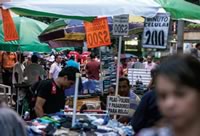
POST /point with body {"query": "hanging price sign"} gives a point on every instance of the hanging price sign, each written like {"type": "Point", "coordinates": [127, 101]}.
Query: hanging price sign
{"type": "Point", "coordinates": [120, 25]}
{"type": "Point", "coordinates": [97, 33]}
{"type": "Point", "coordinates": [155, 33]}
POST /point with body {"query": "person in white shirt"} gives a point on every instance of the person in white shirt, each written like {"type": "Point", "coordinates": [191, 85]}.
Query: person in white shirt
{"type": "Point", "coordinates": [56, 67]}
{"type": "Point", "coordinates": [149, 64]}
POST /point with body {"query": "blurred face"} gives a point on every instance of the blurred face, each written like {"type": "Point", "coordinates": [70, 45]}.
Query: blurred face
{"type": "Point", "coordinates": [59, 59]}
{"type": "Point", "coordinates": [111, 91]}
{"type": "Point", "coordinates": [198, 47]}
{"type": "Point", "coordinates": [67, 83]}
{"type": "Point", "coordinates": [124, 88]}
{"type": "Point", "coordinates": [179, 104]}
{"type": "Point", "coordinates": [134, 60]}
{"type": "Point", "coordinates": [149, 59]}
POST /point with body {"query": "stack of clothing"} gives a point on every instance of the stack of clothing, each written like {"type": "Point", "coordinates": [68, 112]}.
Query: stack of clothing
{"type": "Point", "coordinates": [60, 125]}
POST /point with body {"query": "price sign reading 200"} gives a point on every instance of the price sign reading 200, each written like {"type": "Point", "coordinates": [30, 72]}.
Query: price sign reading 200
{"type": "Point", "coordinates": [155, 37]}
{"type": "Point", "coordinates": [97, 33]}
{"type": "Point", "coordinates": [97, 38]}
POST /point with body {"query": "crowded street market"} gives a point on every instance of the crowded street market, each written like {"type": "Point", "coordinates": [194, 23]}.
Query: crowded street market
{"type": "Point", "coordinates": [99, 68]}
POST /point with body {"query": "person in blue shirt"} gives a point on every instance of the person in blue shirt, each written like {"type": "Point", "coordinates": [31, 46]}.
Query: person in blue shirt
{"type": "Point", "coordinates": [72, 63]}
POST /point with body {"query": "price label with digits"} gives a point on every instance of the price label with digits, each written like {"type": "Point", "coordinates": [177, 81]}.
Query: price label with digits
{"type": "Point", "coordinates": [156, 30]}
{"type": "Point", "coordinates": [97, 33]}
{"type": "Point", "coordinates": [120, 25]}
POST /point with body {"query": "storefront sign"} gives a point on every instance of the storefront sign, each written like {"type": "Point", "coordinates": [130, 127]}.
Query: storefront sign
{"type": "Point", "coordinates": [155, 33]}
{"type": "Point", "coordinates": [97, 33]}
{"type": "Point", "coordinates": [120, 25]}
{"type": "Point", "coordinates": [117, 105]}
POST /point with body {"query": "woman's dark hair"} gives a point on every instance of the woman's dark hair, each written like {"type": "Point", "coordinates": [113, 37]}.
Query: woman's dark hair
{"type": "Point", "coordinates": [154, 73]}
{"type": "Point", "coordinates": [197, 45]}
{"type": "Point", "coordinates": [181, 69]}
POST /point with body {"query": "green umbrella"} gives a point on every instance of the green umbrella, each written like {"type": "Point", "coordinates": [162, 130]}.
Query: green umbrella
{"type": "Point", "coordinates": [180, 9]}
{"type": "Point", "coordinates": [28, 31]}
{"type": "Point", "coordinates": [64, 49]}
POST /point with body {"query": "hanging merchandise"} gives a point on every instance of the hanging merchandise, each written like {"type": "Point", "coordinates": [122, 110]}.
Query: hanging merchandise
{"type": "Point", "coordinates": [108, 70]}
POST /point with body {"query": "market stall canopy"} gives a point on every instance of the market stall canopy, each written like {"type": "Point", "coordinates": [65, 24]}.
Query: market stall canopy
{"type": "Point", "coordinates": [181, 9]}
{"type": "Point", "coordinates": [28, 31]}
{"type": "Point", "coordinates": [88, 9]}
{"type": "Point", "coordinates": [83, 9]}
{"type": "Point", "coordinates": [65, 43]}
{"type": "Point", "coordinates": [71, 29]}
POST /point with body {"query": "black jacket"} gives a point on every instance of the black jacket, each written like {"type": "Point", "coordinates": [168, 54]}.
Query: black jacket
{"type": "Point", "coordinates": [147, 113]}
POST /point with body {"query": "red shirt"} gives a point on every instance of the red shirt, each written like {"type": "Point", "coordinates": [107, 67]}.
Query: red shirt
{"type": "Point", "coordinates": [93, 68]}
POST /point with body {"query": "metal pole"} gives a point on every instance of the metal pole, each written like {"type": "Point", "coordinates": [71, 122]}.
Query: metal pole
{"type": "Point", "coordinates": [101, 71]}
{"type": "Point", "coordinates": [118, 64]}
{"type": "Point", "coordinates": [75, 99]}
{"type": "Point", "coordinates": [180, 36]}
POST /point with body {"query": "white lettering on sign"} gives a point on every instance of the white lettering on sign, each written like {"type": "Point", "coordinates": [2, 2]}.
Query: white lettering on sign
{"type": "Point", "coordinates": [121, 25]}
{"type": "Point", "coordinates": [155, 33]}
{"type": "Point", "coordinates": [117, 105]}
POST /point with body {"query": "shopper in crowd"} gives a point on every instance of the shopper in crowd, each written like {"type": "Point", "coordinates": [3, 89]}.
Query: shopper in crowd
{"type": "Point", "coordinates": [131, 62]}
{"type": "Point", "coordinates": [195, 52]}
{"type": "Point", "coordinates": [139, 64]}
{"type": "Point", "coordinates": [70, 91]}
{"type": "Point", "coordinates": [18, 71]}
{"type": "Point", "coordinates": [125, 91]}
{"type": "Point", "coordinates": [56, 67]}
{"type": "Point", "coordinates": [27, 61]}
{"type": "Point", "coordinates": [149, 64]}
{"type": "Point", "coordinates": [93, 70]}
{"type": "Point", "coordinates": [34, 72]}
{"type": "Point", "coordinates": [51, 96]}
{"type": "Point", "coordinates": [7, 60]}
{"type": "Point", "coordinates": [72, 63]}
{"type": "Point", "coordinates": [10, 122]}
{"type": "Point", "coordinates": [178, 92]}
{"type": "Point", "coordinates": [147, 113]}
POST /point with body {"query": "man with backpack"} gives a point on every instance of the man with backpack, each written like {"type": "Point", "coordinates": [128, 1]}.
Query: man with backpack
{"type": "Point", "coordinates": [50, 93]}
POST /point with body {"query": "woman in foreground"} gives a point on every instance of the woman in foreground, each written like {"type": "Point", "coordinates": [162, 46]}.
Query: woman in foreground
{"type": "Point", "coordinates": [178, 91]}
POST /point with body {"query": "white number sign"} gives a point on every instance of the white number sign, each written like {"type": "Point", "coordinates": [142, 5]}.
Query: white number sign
{"type": "Point", "coordinates": [120, 25]}
{"type": "Point", "coordinates": [155, 33]}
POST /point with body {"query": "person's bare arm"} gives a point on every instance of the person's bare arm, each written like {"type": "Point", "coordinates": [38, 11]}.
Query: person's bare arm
{"type": "Point", "coordinates": [39, 106]}
{"type": "Point", "coordinates": [51, 71]}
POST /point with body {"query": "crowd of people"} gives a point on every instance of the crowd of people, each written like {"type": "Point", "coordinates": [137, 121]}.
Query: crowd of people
{"type": "Point", "coordinates": [169, 108]}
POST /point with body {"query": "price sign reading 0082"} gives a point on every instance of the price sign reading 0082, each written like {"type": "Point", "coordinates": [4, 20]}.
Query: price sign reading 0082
{"type": "Point", "coordinates": [97, 38]}
{"type": "Point", "coordinates": [155, 37]}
